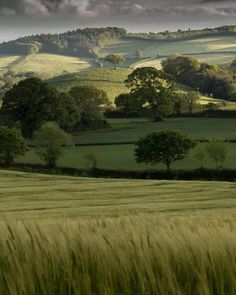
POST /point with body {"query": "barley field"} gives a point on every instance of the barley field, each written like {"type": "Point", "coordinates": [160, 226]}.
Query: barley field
{"type": "Point", "coordinates": [63, 235]}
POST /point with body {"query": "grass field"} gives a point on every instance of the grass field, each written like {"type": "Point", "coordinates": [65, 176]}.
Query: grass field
{"type": "Point", "coordinates": [153, 48]}
{"type": "Point", "coordinates": [65, 235]}
{"type": "Point", "coordinates": [130, 130]}
{"type": "Point", "coordinates": [110, 80]}
{"type": "Point", "coordinates": [43, 65]}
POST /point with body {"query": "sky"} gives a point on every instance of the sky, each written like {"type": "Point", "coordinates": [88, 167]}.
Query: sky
{"type": "Point", "coordinates": [24, 17]}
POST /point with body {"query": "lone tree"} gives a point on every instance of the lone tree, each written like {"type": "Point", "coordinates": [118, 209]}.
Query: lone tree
{"type": "Point", "coordinates": [139, 53]}
{"type": "Point", "coordinates": [12, 145]}
{"type": "Point", "coordinates": [152, 88]}
{"type": "Point", "coordinates": [217, 151]}
{"type": "Point", "coordinates": [50, 143]}
{"type": "Point", "coordinates": [166, 146]}
{"type": "Point", "coordinates": [200, 154]}
{"type": "Point", "coordinates": [115, 59]}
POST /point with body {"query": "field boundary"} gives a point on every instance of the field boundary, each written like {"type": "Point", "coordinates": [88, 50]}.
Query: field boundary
{"type": "Point", "coordinates": [182, 175]}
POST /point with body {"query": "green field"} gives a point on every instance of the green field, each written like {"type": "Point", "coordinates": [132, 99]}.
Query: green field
{"type": "Point", "coordinates": [215, 45]}
{"type": "Point", "coordinates": [109, 80]}
{"type": "Point", "coordinates": [130, 130]}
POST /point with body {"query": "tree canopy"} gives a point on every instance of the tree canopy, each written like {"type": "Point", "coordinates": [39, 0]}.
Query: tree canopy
{"type": "Point", "coordinates": [91, 102]}
{"type": "Point", "coordinates": [166, 146]}
{"type": "Point", "coordinates": [115, 59]}
{"type": "Point", "coordinates": [49, 140]}
{"type": "Point", "coordinates": [153, 88]}
{"type": "Point", "coordinates": [210, 79]}
{"type": "Point", "coordinates": [31, 103]}
{"type": "Point", "coordinates": [12, 145]}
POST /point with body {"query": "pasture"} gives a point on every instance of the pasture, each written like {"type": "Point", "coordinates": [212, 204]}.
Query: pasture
{"type": "Point", "coordinates": [44, 66]}
{"type": "Point", "coordinates": [128, 47]}
{"type": "Point", "coordinates": [109, 80]}
{"type": "Point", "coordinates": [108, 145]}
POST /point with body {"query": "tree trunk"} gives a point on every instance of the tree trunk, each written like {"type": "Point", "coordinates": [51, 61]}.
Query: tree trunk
{"type": "Point", "coordinates": [168, 168]}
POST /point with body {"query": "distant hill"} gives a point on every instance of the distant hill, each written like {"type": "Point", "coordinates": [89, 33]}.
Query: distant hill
{"type": "Point", "coordinates": [79, 42]}
{"type": "Point", "coordinates": [88, 42]}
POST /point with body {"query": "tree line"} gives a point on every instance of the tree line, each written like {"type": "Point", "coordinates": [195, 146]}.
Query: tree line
{"type": "Point", "coordinates": [210, 79]}
{"type": "Point", "coordinates": [185, 34]}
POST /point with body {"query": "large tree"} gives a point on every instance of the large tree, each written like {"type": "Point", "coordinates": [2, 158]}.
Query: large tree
{"type": "Point", "coordinates": [32, 102]}
{"type": "Point", "coordinates": [166, 146]}
{"type": "Point", "coordinates": [91, 102]}
{"type": "Point", "coordinates": [152, 88]}
{"type": "Point", "coordinates": [50, 142]}
{"type": "Point", "coordinates": [12, 145]}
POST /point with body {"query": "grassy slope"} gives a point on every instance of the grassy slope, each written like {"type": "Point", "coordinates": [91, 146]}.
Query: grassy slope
{"type": "Point", "coordinates": [43, 65]}
{"type": "Point", "coordinates": [110, 80]}
{"type": "Point", "coordinates": [34, 195]}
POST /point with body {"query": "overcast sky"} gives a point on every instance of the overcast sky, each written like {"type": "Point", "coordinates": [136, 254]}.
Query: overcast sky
{"type": "Point", "coordinates": [22, 17]}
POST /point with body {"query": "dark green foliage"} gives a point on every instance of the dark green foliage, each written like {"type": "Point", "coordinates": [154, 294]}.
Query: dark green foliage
{"type": "Point", "coordinates": [91, 102]}
{"type": "Point", "coordinates": [128, 103]}
{"type": "Point", "coordinates": [32, 102]}
{"type": "Point", "coordinates": [67, 112]}
{"type": "Point", "coordinates": [152, 88]}
{"type": "Point", "coordinates": [165, 147]}
{"type": "Point", "coordinates": [115, 59]}
{"type": "Point", "coordinates": [12, 145]}
{"type": "Point", "coordinates": [50, 140]}
{"type": "Point", "coordinates": [210, 79]}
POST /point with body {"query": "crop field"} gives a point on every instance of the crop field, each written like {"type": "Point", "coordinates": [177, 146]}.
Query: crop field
{"type": "Point", "coordinates": [64, 235]}
{"type": "Point", "coordinates": [112, 155]}
{"type": "Point", "coordinates": [37, 196]}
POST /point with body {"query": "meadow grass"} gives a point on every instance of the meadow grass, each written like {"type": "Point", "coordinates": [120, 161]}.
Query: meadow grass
{"type": "Point", "coordinates": [43, 65]}
{"type": "Point", "coordinates": [153, 48]}
{"type": "Point", "coordinates": [109, 80]}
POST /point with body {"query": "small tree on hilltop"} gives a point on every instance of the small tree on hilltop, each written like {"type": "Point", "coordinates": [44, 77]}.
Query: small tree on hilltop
{"type": "Point", "coordinates": [217, 151]}
{"type": "Point", "coordinates": [50, 143]}
{"type": "Point", "coordinates": [138, 54]}
{"type": "Point", "coordinates": [12, 145]}
{"type": "Point", "coordinates": [115, 59]}
{"type": "Point", "coordinates": [166, 146]}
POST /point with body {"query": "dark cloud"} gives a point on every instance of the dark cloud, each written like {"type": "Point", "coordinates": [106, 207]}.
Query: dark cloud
{"type": "Point", "coordinates": [98, 8]}
{"type": "Point", "coordinates": [29, 16]}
